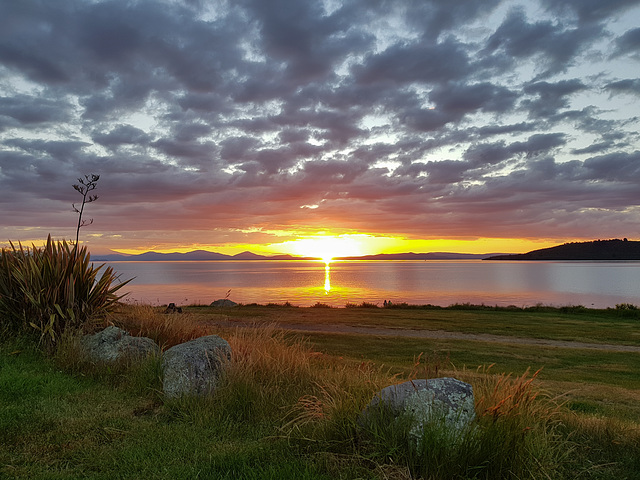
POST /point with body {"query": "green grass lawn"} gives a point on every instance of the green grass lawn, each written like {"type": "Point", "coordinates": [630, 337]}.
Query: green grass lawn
{"type": "Point", "coordinates": [579, 324]}
{"type": "Point", "coordinates": [610, 380]}
{"type": "Point", "coordinates": [54, 425]}
{"type": "Point", "coordinates": [603, 381]}
{"type": "Point", "coordinates": [64, 422]}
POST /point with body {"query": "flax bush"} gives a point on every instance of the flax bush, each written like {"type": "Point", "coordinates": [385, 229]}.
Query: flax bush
{"type": "Point", "coordinates": [52, 289]}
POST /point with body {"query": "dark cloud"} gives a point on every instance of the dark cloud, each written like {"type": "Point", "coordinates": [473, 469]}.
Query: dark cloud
{"type": "Point", "coordinates": [520, 127]}
{"type": "Point", "coordinates": [539, 143]}
{"type": "Point", "coordinates": [459, 100]}
{"type": "Point", "coordinates": [418, 62]}
{"type": "Point", "coordinates": [122, 135]}
{"type": "Point", "coordinates": [432, 18]}
{"type": "Point", "coordinates": [629, 42]}
{"type": "Point", "coordinates": [427, 119]}
{"type": "Point", "coordinates": [551, 44]}
{"type": "Point", "coordinates": [63, 150]}
{"type": "Point", "coordinates": [551, 97]}
{"type": "Point", "coordinates": [30, 110]}
{"type": "Point", "coordinates": [444, 172]}
{"type": "Point", "coordinates": [631, 86]}
{"type": "Point", "coordinates": [614, 167]}
{"type": "Point", "coordinates": [418, 118]}
{"type": "Point", "coordinates": [29, 33]}
{"type": "Point", "coordinates": [173, 148]}
{"type": "Point", "coordinates": [590, 10]}
{"type": "Point", "coordinates": [487, 154]}
{"type": "Point", "coordinates": [303, 38]}
{"type": "Point", "coordinates": [235, 149]}
{"type": "Point", "coordinates": [594, 148]}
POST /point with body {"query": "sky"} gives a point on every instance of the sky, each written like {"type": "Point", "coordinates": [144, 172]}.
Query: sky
{"type": "Point", "coordinates": [263, 125]}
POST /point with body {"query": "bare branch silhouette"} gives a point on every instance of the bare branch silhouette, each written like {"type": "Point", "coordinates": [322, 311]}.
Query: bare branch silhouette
{"type": "Point", "coordinates": [85, 186]}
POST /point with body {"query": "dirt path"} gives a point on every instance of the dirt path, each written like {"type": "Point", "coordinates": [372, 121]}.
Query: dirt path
{"type": "Point", "coordinates": [439, 335]}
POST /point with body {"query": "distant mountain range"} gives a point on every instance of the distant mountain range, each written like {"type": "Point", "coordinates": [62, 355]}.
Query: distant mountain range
{"type": "Point", "coordinates": [422, 256]}
{"type": "Point", "coordinates": [195, 255]}
{"type": "Point", "coordinates": [596, 250]}
{"type": "Point", "coordinates": [203, 255]}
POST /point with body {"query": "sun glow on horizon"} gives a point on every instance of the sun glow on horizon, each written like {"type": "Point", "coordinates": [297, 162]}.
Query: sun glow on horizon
{"type": "Point", "coordinates": [325, 247]}
{"type": "Point", "coordinates": [328, 246]}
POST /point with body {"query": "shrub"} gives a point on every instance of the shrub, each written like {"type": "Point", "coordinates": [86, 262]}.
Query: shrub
{"type": "Point", "coordinates": [361, 305]}
{"type": "Point", "coordinates": [398, 305]}
{"type": "Point", "coordinates": [285, 304]}
{"type": "Point", "coordinates": [573, 309]}
{"type": "Point", "coordinates": [626, 306]}
{"type": "Point", "coordinates": [53, 288]}
{"type": "Point", "coordinates": [320, 305]}
{"type": "Point", "coordinates": [627, 310]}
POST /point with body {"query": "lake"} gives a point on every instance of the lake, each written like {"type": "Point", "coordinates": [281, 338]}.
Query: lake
{"type": "Point", "coordinates": [304, 283]}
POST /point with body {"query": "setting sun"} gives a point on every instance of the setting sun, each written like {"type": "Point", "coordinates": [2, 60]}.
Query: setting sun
{"type": "Point", "coordinates": [329, 247]}
{"type": "Point", "coordinates": [326, 247]}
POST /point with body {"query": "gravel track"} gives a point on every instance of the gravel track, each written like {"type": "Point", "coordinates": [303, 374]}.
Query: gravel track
{"type": "Point", "coordinates": [440, 335]}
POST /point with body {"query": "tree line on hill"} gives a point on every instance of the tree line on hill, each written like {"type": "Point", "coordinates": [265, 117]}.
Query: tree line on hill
{"type": "Point", "coordinates": [614, 249]}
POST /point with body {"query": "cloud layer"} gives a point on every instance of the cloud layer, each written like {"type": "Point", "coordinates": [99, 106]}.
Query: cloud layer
{"type": "Point", "coordinates": [222, 122]}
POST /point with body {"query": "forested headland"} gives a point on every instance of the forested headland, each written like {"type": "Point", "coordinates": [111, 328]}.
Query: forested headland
{"type": "Point", "coordinates": [614, 249]}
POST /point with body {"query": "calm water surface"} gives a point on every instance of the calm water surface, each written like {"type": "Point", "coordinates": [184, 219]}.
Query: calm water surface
{"type": "Point", "coordinates": [303, 283]}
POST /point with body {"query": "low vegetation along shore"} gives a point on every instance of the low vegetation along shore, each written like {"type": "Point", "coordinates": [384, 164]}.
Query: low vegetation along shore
{"type": "Point", "coordinates": [289, 403]}
{"type": "Point", "coordinates": [557, 391]}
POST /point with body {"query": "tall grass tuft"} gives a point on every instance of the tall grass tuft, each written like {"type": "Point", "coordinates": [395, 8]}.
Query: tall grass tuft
{"type": "Point", "coordinates": [602, 447]}
{"type": "Point", "coordinates": [268, 371]}
{"type": "Point", "coordinates": [514, 436]}
{"type": "Point", "coordinates": [140, 376]}
{"type": "Point", "coordinates": [53, 288]}
{"type": "Point", "coordinates": [275, 385]}
{"type": "Point", "coordinates": [270, 378]}
{"type": "Point", "coordinates": [520, 428]}
{"type": "Point", "coordinates": [147, 321]}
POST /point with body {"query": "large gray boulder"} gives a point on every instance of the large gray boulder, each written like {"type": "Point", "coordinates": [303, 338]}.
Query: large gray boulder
{"type": "Point", "coordinates": [223, 303]}
{"type": "Point", "coordinates": [443, 403]}
{"type": "Point", "coordinates": [113, 344]}
{"type": "Point", "coordinates": [193, 368]}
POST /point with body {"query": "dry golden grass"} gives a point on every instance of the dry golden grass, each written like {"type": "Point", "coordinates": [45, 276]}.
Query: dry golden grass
{"type": "Point", "coordinates": [274, 377]}
{"type": "Point", "coordinates": [504, 395]}
{"type": "Point", "coordinates": [166, 329]}
{"type": "Point", "coordinates": [268, 356]}
{"type": "Point", "coordinates": [609, 430]}
{"type": "Point", "coordinates": [271, 372]}
{"type": "Point", "coordinates": [277, 390]}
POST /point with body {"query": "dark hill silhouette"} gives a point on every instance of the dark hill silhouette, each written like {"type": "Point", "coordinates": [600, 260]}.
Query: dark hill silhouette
{"type": "Point", "coordinates": [421, 256]}
{"type": "Point", "coordinates": [202, 255]}
{"type": "Point", "coordinates": [595, 250]}
{"type": "Point", "coordinates": [195, 255]}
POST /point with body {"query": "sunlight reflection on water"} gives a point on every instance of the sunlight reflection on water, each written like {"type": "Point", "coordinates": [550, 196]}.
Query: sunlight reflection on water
{"type": "Point", "coordinates": [592, 284]}
{"type": "Point", "coordinates": [327, 278]}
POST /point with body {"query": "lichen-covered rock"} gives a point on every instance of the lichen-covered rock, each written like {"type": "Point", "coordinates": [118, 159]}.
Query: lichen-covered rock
{"type": "Point", "coordinates": [443, 402]}
{"type": "Point", "coordinates": [193, 368]}
{"type": "Point", "coordinates": [113, 344]}
{"type": "Point", "coordinates": [223, 302]}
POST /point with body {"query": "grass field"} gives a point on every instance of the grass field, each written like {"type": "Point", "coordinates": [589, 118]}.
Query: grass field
{"type": "Point", "coordinates": [600, 381]}
{"type": "Point", "coordinates": [288, 409]}
{"type": "Point", "coordinates": [571, 323]}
